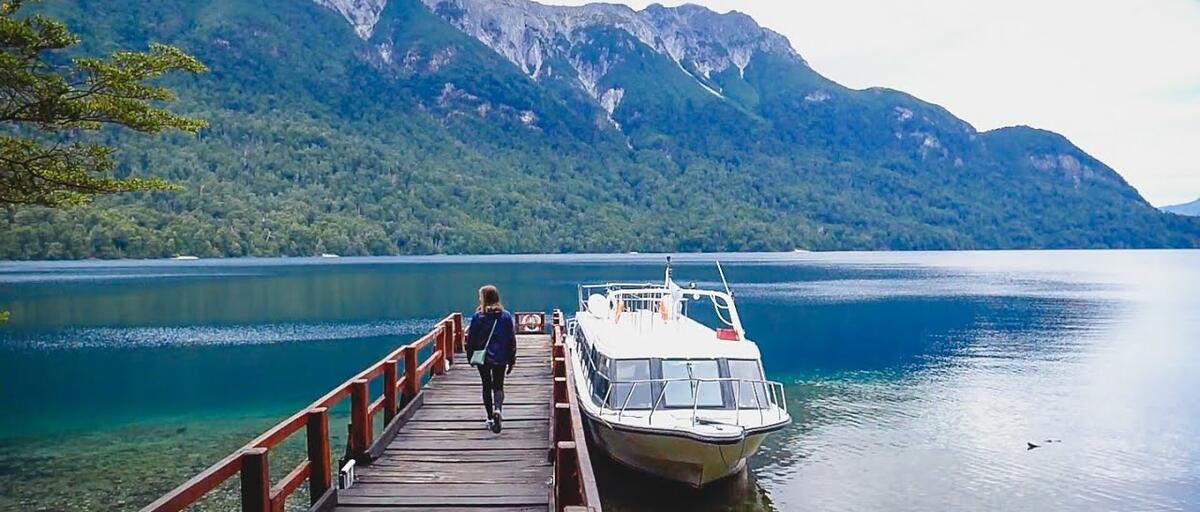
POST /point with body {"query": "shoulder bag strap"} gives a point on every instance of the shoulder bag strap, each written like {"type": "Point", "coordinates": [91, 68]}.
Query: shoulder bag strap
{"type": "Point", "coordinates": [489, 340]}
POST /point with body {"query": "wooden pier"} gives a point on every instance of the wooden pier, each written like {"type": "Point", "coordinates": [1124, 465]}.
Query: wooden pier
{"type": "Point", "coordinates": [433, 452]}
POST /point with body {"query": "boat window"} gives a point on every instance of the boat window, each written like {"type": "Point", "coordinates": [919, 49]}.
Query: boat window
{"type": "Point", "coordinates": [581, 338]}
{"type": "Point", "coordinates": [600, 376]}
{"type": "Point", "coordinates": [637, 394]}
{"type": "Point", "coordinates": [751, 395]}
{"type": "Point", "coordinates": [679, 393]}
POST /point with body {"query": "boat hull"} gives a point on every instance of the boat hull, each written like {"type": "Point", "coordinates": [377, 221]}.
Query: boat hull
{"type": "Point", "coordinates": [674, 457]}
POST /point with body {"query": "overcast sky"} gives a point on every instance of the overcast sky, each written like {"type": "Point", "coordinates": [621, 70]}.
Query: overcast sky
{"type": "Point", "coordinates": [1120, 78]}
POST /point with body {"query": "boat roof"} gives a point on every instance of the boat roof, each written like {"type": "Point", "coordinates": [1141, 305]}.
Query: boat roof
{"type": "Point", "coordinates": [644, 335]}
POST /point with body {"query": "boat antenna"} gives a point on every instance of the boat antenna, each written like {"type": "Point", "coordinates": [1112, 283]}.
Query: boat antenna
{"type": "Point", "coordinates": [723, 281]}
{"type": "Point", "coordinates": [668, 275]}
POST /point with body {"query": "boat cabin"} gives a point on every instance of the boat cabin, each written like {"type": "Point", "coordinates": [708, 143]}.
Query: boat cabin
{"type": "Point", "coordinates": [641, 348]}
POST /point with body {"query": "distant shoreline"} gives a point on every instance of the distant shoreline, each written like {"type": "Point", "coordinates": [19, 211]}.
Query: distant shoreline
{"type": "Point", "coordinates": [682, 257]}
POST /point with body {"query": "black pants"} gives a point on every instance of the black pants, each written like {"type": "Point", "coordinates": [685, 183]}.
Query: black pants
{"type": "Point", "coordinates": [493, 386]}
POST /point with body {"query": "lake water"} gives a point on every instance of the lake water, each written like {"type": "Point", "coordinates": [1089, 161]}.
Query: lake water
{"type": "Point", "coordinates": [916, 380]}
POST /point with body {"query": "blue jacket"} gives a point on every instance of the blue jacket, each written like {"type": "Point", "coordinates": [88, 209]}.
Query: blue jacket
{"type": "Point", "coordinates": [503, 348]}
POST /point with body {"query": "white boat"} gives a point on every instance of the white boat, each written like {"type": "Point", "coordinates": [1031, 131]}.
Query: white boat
{"type": "Point", "coordinates": [329, 255]}
{"type": "Point", "coordinates": [668, 381]}
{"type": "Point", "coordinates": [185, 258]}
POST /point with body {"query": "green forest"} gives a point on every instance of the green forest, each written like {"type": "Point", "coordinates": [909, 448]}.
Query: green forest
{"type": "Point", "coordinates": [316, 144]}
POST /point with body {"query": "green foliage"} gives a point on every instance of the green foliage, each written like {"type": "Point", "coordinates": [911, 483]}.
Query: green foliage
{"type": "Point", "coordinates": [41, 95]}
{"type": "Point", "coordinates": [319, 144]}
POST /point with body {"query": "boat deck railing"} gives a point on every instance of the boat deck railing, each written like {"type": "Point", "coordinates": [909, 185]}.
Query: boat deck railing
{"type": "Point", "coordinates": [671, 303]}
{"type": "Point", "coordinates": [586, 290]}
{"type": "Point", "coordinates": [769, 398]}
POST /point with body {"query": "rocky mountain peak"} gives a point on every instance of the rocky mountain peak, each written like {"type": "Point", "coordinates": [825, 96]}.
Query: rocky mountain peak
{"type": "Point", "coordinates": [362, 14]}
{"type": "Point", "coordinates": [532, 35]}
{"type": "Point", "coordinates": [712, 41]}
{"type": "Point", "coordinates": [525, 31]}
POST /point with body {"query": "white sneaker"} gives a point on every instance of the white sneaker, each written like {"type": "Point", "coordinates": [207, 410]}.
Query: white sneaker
{"type": "Point", "coordinates": [488, 424]}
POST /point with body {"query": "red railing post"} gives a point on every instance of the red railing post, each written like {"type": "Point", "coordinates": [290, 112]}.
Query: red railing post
{"type": "Point", "coordinates": [391, 372]}
{"type": "Point", "coordinates": [447, 345]}
{"type": "Point", "coordinates": [412, 381]}
{"type": "Point", "coordinates": [256, 481]}
{"type": "Point", "coordinates": [360, 419]}
{"type": "Point", "coordinates": [458, 333]}
{"type": "Point", "coordinates": [320, 476]}
{"type": "Point", "coordinates": [450, 337]}
{"type": "Point", "coordinates": [442, 343]}
{"type": "Point", "coordinates": [450, 334]}
{"type": "Point", "coordinates": [439, 345]}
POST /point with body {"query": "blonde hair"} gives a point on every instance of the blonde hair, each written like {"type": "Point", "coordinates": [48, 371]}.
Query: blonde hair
{"type": "Point", "coordinates": [489, 299]}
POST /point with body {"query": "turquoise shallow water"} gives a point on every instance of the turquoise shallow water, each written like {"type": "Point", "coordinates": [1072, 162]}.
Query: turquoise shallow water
{"type": "Point", "coordinates": [915, 379]}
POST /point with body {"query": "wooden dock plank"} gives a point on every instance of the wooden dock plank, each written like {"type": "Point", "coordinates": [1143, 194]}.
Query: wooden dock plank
{"type": "Point", "coordinates": [515, 444]}
{"type": "Point", "coordinates": [451, 436]}
{"type": "Point", "coordinates": [526, 490]}
{"type": "Point", "coordinates": [443, 458]}
{"type": "Point", "coordinates": [492, 472]}
{"type": "Point", "coordinates": [424, 502]}
{"type": "Point", "coordinates": [440, 509]}
{"type": "Point", "coordinates": [449, 426]}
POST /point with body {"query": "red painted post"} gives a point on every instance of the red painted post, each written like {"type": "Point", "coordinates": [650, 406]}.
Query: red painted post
{"type": "Point", "coordinates": [447, 345]}
{"type": "Point", "coordinates": [439, 345]}
{"type": "Point", "coordinates": [320, 476]}
{"type": "Point", "coordinates": [458, 333]}
{"type": "Point", "coordinates": [256, 482]}
{"type": "Point", "coordinates": [391, 372]}
{"type": "Point", "coordinates": [412, 381]}
{"type": "Point", "coordinates": [360, 419]}
{"type": "Point", "coordinates": [449, 342]}
{"type": "Point", "coordinates": [443, 343]}
{"type": "Point", "coordinates": [448, 355]}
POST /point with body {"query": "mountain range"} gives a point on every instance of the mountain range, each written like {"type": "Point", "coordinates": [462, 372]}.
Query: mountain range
{"type": "Point", "coordinates": [1191, 209]}
{"type": "Point", "coordinates": [488, 126]}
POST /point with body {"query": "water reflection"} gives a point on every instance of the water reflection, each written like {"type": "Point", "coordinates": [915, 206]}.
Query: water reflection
{"type": "Point", "coordinates": [915, 380]}
{"type": "Point", "coordinates": [624, 490]}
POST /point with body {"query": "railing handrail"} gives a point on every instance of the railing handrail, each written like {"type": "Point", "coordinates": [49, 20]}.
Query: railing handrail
{"type": "Point", "coordinates": [684, 379]}
{"type": "Point", "coordinates": [580, 289]}
{"type": "Point", "coordinates": [689, 379]}
{"type": "Point", "coordinates": [574, 483]}
{"type": "Point", "coordinates": [652, 297]}
{"type": "Point", "coordinates": [447, 333]}
{"type": "Point", "coordinates": [769, 390]}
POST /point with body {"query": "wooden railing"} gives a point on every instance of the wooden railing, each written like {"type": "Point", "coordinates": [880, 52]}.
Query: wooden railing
{"type": "Point", "coordinates": [574, 483]}
{"type": "Point", "coordinates": [258, 494]}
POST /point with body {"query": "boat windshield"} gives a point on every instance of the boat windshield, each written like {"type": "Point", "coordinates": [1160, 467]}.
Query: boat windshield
{"type": "Point", "coordinates": [625, 390]}
{"type": "Point", "coordinates": [632, 384]}
{"type": "Point", "coordinates": [682, 393]}
{"type": "Point", "coordinates": [750, 394]}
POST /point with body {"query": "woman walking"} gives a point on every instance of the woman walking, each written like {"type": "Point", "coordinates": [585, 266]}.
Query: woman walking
{"type": "Point", "coordinates": [492, 349]}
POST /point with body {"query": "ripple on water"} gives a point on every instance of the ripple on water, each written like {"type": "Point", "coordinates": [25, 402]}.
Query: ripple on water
{"type": "Point", "coordinates": [185, 336]}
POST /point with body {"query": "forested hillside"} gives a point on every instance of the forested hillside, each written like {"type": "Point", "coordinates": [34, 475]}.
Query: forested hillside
{"type": "Point", "coordinates": [422, 138]}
